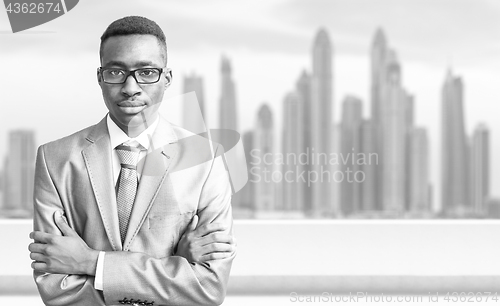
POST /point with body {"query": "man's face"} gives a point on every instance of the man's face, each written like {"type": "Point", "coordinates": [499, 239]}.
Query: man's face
{"type": "Point", "coordinates": [131, 104]}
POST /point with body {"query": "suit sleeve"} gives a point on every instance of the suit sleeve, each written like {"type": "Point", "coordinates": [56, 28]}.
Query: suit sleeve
{"type": "Point", "coordinates": [56, 289]}
{"type": "Point", "coordinates": [173, 280]}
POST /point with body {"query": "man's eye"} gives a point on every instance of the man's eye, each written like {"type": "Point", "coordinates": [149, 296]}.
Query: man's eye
{"type": "Point", "coordinates": [147, 72]}
{"type": "Point", "coordinates": [115, 72]}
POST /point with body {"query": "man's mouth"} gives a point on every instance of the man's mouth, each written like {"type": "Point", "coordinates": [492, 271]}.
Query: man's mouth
{"type": "Point", "coordinates": [130, 104]}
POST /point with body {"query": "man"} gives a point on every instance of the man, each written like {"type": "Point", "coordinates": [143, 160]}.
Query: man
{"type": "Point", "coordinates": [146, 204]}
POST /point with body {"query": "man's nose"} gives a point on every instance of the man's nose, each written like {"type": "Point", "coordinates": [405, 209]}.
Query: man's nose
{"type": "Point", "coordinates": [130, 87]}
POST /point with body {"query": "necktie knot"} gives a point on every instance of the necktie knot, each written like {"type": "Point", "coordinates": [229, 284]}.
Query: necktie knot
{"type": "Point", "coordinates": [128, 154]}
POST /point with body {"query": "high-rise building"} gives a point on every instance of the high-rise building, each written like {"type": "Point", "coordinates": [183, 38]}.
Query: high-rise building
{"type": "Point", "coordinates": [193, 114]}
{"type": "Point", "coordinates": [394, 136]}
{"type": "Point", "coordinates": [419, 172]}
{"type": "Point", "coordinates": [369, 167]}
{"type": "Point", "coordinates": [480, 169]}
{"type": "Point", "coordinates": [493, 205]}
{"type": "Point", "coordinates": [293, 146]}
{"type": "Point", "coordinates": [303, 87]}
{"type": "Point", "coordinates": [228, 119]}
{"type": "Point", "coordinates": [379, 59]}
{"type": "Point", "coordinates": [264, 147]}
{"type": "Point", "coordinates": [2, 188]}
{"type": "Point", "coordinates": [409, 127]}
{"type": "Point", "coordinates": [350, 148]}
{"type": "Point", "coordinates": [244, 200]}
{"type": "Point", "coordinates": [454, 180]}
{"type": "Point", "coordinates": [321, 121]}
{"type": "Point", "coordinates": [336, 170]}
{"type": "Point", "coordinates": [391, 123]}
{"type": "Point", "coordinates": [19, 174]}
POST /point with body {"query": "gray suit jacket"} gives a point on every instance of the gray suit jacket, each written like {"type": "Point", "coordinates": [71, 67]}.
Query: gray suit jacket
{"type": "Point", "coordinates": [183, 175]}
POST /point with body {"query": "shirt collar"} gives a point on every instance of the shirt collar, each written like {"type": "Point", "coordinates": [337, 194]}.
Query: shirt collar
{"type": "Point", "coordinates": [117, 136]}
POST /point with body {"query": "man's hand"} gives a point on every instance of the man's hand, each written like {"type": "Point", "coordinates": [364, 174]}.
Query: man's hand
{"type": "Point", "coordinates": [67, 254]}
{"type": "Point", "coordinates": [205, 243]}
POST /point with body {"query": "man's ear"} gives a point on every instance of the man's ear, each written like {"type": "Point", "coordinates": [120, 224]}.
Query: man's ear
{"type": "Point", "coordinates": [168, 76]}
{"type": "Point", "coordinates": [99, 79]}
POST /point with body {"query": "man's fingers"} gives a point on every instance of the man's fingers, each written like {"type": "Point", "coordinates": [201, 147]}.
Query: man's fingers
{"type": "Point", "coordinates": [214, 256]}
{"type": "Point", "coordinates": [36, 247]}
{"type": "Point", "coordinates": [63, 225]}
{"type": "Point", "coordinates": [39, 266]}
{"type": "Point", "coordinates": [38, 257]}
{"type": "Point", "coordinates": [194, 223]}
{"type": "Point", "coordinates": [216, 237]}
{"type": "Point", "coordinates": [210, 228]}
{"type": "Point", "coordinates": [216, 247]}
{"type": "Point", "coordinates": [40, 236]}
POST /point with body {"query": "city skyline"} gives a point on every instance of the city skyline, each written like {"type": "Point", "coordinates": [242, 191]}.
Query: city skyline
{"type": "Point", "coordinates": [395, 114]}
{"type": "Point", "coordinates": [399, 185]}
{"type": "Point", "coordinates": [266, 62]}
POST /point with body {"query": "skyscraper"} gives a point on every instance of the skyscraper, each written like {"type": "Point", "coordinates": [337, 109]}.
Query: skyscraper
{"type": "Point", "coordinates": [392, 121]}
{"type": "Point", "coordinates": [2, 190]}
{"type": "Point", "coordinates": [336, 169]}
{"type": "Point", "coordinates": [409, 130]}
{"type": "Point", "coordinates": [19, 174]}
{"type": "Point", "coordinates": [379, 58]}
{"type": "Point", "coordinates": [419, 172]}
{"type": "Point", "coordinates": [227, 112]}
{"type": "Point", "coordinates": [303, 87]}
{"type": "Point", "coordinates": [480, 168]}
{"type": "Point", "coordinates": [264, 146]}
{"type": "Point", "coordinates": [193, 115]}
{"type": "Point", "coordinates": [369, 167]}
{"type": "Point", "coordinates": [243, 202]}
{"type": "Point", "coordinates": [293, 146]}
{"type": "Point", "coordinates": [321, 121]}
{"type": "Point", "coordinates": [350, 147]}
{"type": "Point", "coordinates": [454, 147]}
{"type": "Point", "coordinates": [394, 133]}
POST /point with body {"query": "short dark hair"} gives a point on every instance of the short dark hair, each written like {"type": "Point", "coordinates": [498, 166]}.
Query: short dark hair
{"type": "Point", "coordinates": [131, 25]}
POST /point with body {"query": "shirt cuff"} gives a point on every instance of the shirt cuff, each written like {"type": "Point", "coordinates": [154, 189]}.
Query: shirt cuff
{"type": "Point", "coordinates": [98, 281]}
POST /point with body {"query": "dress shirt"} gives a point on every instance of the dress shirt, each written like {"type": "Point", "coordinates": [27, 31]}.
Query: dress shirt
{"type": "Point", "coordinates": [118, 137]}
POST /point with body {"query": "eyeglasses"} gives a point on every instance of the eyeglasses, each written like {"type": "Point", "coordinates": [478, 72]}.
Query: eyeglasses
{"type": "Point", "coordinates": [141, 76]}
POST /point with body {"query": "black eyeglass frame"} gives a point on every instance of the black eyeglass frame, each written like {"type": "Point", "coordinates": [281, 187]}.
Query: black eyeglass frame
{"type": "Point", "coordinates": [132, 73]}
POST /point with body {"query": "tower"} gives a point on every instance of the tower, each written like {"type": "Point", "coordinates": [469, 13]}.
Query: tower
{"type": "Point", "coordinates": [193, 115]}
{"type": "Point", "coordinates": [19, 173]}
{"type": "Point", "coordinates": [228, 119]}
{"type": "Point", "coordinates": [264, 146]}
{"type": "Point", "coordinates": [454, 147]}
{"type": "Point", "coordinates": [321, 121]}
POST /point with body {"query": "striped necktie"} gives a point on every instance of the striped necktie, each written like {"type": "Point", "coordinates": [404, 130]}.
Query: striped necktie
{"type": "Point", "coordinates": [128, 156]}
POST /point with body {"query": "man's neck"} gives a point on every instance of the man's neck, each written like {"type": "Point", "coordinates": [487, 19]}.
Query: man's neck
{"type": "Point", "coordinates": [134, 131]}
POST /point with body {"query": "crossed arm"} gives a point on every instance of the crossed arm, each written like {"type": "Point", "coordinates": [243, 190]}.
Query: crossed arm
{"type": "Point", "coordinates": [64, 265]}
{"type": "Point", "coordinates": [69, 254]}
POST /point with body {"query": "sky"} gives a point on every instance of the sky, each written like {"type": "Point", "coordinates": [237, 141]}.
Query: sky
{"type": "Point", "coordinates": [49, 72]}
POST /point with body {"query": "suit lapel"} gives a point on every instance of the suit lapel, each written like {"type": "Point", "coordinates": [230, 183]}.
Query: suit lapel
{"type": "Point", "coordinates": [99, 167]}
{"type": "Point", "coordinates": [161, 155]}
